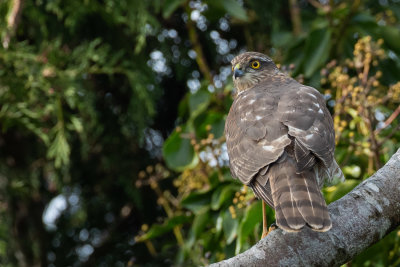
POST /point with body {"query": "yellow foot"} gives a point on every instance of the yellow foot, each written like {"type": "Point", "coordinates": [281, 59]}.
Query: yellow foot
{"type": "Point", "coordinates": [264, 234]}
{"type": "Point", "coordinates": [272, 227]}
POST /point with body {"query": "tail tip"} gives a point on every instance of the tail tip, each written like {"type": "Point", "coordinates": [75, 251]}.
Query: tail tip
{"type": "Point", "coordinates": [321, 228]}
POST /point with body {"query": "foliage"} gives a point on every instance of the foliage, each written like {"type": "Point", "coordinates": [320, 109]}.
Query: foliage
{"type": "Point", "coordinates": [360, 96]}
{"type": "Point", "coordinates": [89, 91]}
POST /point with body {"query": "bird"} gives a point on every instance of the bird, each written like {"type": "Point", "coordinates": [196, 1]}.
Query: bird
{"type": "Point", "coordinates": [281, 141]}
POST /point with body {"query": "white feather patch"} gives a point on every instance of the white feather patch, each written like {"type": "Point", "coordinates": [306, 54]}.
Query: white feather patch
{"type": "Point", "coordinates": [312, 95]}
{"type": "Point", "coordinates": [309, 136]}
{"type": "Point", "coordinates": [269, 148]}
{"type": "Point", "coordinates": [295, 131]}
{"type": "Point", "coordinates": [275, 145]}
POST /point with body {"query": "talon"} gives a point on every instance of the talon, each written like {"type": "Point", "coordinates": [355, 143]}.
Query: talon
{"type": "Point", "coordinates": [264, 234]}
{"type": "Point", "coordinates": [272, 227]}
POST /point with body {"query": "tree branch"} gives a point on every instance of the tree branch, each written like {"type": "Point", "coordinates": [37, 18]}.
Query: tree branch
{"type": "Point", "coordinates": [361, 218]}
{"type": "Point", "coordinates": [295, 16]}
{"type": "Point", "coordinates": [198, 48]}
{"type": "Point", "coordinates": [12, 21]}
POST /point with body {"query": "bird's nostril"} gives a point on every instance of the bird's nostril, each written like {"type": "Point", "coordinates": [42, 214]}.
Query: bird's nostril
{"type": "Point", "coordinates": [238, 73]}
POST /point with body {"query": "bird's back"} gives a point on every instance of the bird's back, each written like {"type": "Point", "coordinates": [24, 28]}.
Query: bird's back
{"type": "Point", "coordinates": [280, 167]}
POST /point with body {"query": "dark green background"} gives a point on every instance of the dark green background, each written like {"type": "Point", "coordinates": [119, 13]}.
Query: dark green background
{"type": "Point", "coordinates": [90, 95]}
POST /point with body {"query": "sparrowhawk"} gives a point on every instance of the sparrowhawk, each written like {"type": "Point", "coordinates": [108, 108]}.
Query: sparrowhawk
{"type": "Point", "coordinates": [281, 142]}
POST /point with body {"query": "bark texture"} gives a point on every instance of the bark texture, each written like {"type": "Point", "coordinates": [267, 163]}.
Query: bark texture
{"type": "Point", "coordinates": [359, 219]}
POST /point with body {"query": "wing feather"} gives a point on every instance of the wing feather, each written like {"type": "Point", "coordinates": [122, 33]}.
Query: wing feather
{"type": "Point", "coordinates": [255, 137]}
{"type": "Point", "coordinates": [308, 120]}
{"type": "Point", "coordinates": [281, 142]}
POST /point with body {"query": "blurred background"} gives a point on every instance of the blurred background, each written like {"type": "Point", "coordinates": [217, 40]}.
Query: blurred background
{"type": "Point", "coordinates": [112, 114]}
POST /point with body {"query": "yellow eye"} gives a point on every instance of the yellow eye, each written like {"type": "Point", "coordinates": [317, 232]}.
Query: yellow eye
{"type": "Point", "coordinates": [255, 64]}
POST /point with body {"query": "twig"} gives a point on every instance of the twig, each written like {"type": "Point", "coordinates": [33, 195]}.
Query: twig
{"type": "Point", "coordinates": [348, 154]}
{"type": "Point", "coordinates": [197, 47]}
{"type": "Point", "coordinates": [295, 16]}
{"type": "Point", "coordinates": [389, 120]}
{"type": "Point", "coordinates": [344, 24]}
{"type": "Point", "coordinates": [249, 39]}
{"type": "Point", "coordinates": [374, 142]}
{"type": "Point", "coordinates": [367, 114]}
{"type": "Point", "coordinates": [12, 21]}
{"type": "Point", "coordinates": [316, 4]}
{"type": "Point", "coordinates": [389, 135]}
{"type": "Point", "coordinates": [168, 210]}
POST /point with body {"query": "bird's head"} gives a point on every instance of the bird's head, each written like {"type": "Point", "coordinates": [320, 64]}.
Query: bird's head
{"type": "Point", "coordinates": [250, 68]}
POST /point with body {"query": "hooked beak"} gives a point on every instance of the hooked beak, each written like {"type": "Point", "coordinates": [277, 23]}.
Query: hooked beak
{"type": "Point", "coordinates": [237, 72]}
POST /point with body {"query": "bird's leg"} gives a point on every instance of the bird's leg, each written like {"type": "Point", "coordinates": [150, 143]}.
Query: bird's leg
{"type": "Point", "coordinates": [265, 226]}
{"type": "Point", "coordinates": [272, 227]}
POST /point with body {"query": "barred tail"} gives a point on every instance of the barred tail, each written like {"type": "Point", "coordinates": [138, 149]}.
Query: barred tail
{"type": "Point", "coordinates": [297, 198]}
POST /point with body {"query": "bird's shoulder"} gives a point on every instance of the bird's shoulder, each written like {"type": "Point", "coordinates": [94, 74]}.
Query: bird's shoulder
{"type": "Point", "coordinates": [254, 135]}
{"type": "Point", "coordinates": [254, 111]}
{"type": "Point", "coordinates": [309, 122]}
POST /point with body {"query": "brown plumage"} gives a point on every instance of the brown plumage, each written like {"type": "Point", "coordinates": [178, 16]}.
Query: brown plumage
{"type": "Point", "coordinates": [281, 142]}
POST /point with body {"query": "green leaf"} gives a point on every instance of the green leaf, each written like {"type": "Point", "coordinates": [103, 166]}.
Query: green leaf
{"type": "Point", "coordinates": [197, 201]}
{"type": "Point", "coordinates": [316, 51]}
{"type": "Point", "coordinates": [198, 102]}
{"type": "Point", "coordinates": [234, 9]}
{"type": "Point", "coordinates": [183, 107]}
{"type": "Point", "coordinates": [391, 37]}
{"type": "Point", "coordinates": [214, 119]}
{"type": "Point", "coordinates": [319, 23]}
{"type": "Point", "coordinates": [160, 229]}
{"type": "Point", "coordinates": [364, 19]}
{"type": "Point", "coordinates": [281, 38]}
{"type": "Point", "coordinates": [230, 227]}
{"type": "Point", "coordinates": [77, 124]}
{"type": "Point", "coordinates": [59, 149]}
{"type": "Point", "coordinates": [353, 113]}
{"type": "Point", "coordinates": [253, 216]}
{"type": "Point", "coordinates": [218, 222]}
{"type": "Point", "coordinates": [333, 193]}
{"type": "Point", "coordinates": [295, 53]}
{"type": "Point", "coordinates": [179, 153]}
{"type": "Point", "coordinates": [222, 194]}
{"type": "Point", "coordinates": [170, 6]}
{"type": "Point", "coordinates": [214, 179]}
{"type": "Point", "coordinates": [353, 170]}
{"type": "Point", "coordinates": [200, 222]}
